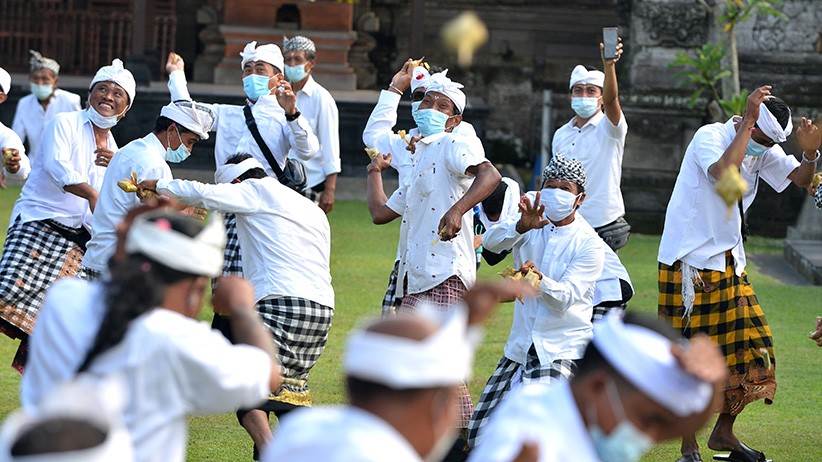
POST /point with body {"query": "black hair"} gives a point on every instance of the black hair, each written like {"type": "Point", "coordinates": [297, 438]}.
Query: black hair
{"type": "Point", "coordinates": [593, 360]}
{"type": "Point", "coordinates": [252, 173]}
{"type": "Point", "coordinates": [591, 68]}
{"type": "Point", "coordinates": [492, 205]}
{"type": "Point", "coordinates": [361, 391]}
{"type": "Point", "coordinates": [137, 285]}
{"type": "Point", "coordinates": [56, 435]}
{"type": "Point", "coordinates": [779, 109]}
{"type": "Point", "coordinates": [164, 122]}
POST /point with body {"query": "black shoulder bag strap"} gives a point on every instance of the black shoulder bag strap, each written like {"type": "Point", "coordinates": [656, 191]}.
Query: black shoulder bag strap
{"type": "Point", "coordinates": [255, 132]}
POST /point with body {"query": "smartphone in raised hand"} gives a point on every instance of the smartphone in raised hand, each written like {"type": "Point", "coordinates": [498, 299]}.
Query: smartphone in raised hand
{"type": "Point", "coordinates": [610, 38]}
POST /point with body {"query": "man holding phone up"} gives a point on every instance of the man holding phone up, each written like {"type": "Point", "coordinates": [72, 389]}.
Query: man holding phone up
{"type": "Point", "coordinates": [597, 139]}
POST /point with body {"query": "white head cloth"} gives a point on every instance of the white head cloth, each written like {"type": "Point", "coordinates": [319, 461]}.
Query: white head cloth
{"type": "Point", "coordinates": [194, 117]}
{"type": "Point", "coordinates": [644, 358]}
{"type": "Point", "coordinates": [38, 61]}
{"type": "Point", "coordinates": [442, 359]}
{"type": "Point", "coordinates": [229, 172]}
{"type": "Point", "coordinates": [201, 254]}
{"type": "Point", "coordinates": [419, 78]}
{"type": "Point", "coordinates": [85, 400]}
{"type": "Point", "coordinates": [770, 126]}
{"type": "Point", "coordinates": [118, 74]}
{"type": "Point", "coordinates": [270, 54]}
{"type": "Point", "coordinates": [441, 84]}
{"type": "Point", "coordinates": [582, 75]}
{"type": "Point", "coordinates": [298, 43]}
{"type": "Point", "coordinates": [5, 81]}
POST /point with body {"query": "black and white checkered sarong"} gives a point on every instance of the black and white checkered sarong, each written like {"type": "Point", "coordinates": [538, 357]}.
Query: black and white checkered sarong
{"type": "Point", "coordinates": [312, 195]}
{"type": "Point", "coordinates": [233, 259]}
{"type": "Point", "coordinates": [390, 302]}
{"type": "Point", "coordinates": [299, 328]}
{"type": "Point", "coordinates": [499, 384]}
{"type": "Point", "coordinates": [34, 256]}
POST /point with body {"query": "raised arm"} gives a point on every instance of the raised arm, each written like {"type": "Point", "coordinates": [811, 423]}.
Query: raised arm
{"type": "Point", "coordinates": [610, 92]}
{"type": "Point", "coordinates": [734, 153]}
{"type": "Point", "coordinates": [808, 136]}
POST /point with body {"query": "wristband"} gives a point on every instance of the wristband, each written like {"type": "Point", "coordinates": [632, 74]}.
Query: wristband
{"type": "Point", "coordinates": [805, 159]}
{"type": "Point", "coordinates": [292, 117]}
{"type": "Point", "coordinates": [392, 87]}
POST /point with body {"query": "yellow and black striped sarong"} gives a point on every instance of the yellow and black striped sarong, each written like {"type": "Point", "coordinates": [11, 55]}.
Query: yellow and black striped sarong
{"type": "Point", "coordinates": [725, 308]}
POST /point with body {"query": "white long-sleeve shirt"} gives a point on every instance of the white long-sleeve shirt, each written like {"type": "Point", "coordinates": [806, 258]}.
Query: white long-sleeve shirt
{"type": "Point", "coordinates": [30, 118]}
{"type": "Point", "coordinates": [9, 139]}
{"type": "Point", "coordinates": [66, 158]}
{"type": "Point", "coordinates": [338, 434]}
{"type": "Point", "coordinates": [234, 137]}
{"type": "Point", "coordinates": [286, 239]}
{"type": "Point", "coordinates": [143, 156]}
{"type": "Point", "coordinates": [318, 107]}
{"type": "Point", "coordinates": [545, 415]}
{"type": "Point", "coordinates": [558, 320]}
{"type": "Point", "coordinates": [174, 366]}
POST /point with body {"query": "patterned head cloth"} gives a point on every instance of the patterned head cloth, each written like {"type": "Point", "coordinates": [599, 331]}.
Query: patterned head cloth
{"type": "Point", "coordinates": [298, 43]}
{"type": "Point", "coordinates": [562, 168]}
{"type": "Point", "coordinates": [39, 61]}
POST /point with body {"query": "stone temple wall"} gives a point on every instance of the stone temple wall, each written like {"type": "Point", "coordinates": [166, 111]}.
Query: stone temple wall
{"type": "Point", "coordinates": [534, 44]}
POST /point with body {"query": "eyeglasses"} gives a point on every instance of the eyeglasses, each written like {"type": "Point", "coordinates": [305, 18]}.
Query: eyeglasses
{"type": "Point", "coordinates": [417, 96]}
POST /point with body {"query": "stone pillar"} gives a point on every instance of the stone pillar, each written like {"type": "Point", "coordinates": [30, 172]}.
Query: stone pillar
{"type": "Point", "coordinates": [328, 24]}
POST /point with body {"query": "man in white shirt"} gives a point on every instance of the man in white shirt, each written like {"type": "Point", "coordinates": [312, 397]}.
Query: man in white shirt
{"type": "Point", "coordinates": [287, 247]}
{"type": "Point", "coordinates": [637, 383]}
{"type": "Point", "coordinates": [549, 332]}
{"type": "Point", "coordinates": [402, 374]}
{"type": "Point", "coordinates": [318, 107]}
{"type": "Point", "coordinates": [16, 163]}
{"type": "Point", "coordinates": [379, 134]}
{"type": "Point", "coordinates": [49, 223]}
{"type": "Point", "coordinates": [45, 101]}
{"type": "Point", "coordinates": [597, 139]}
{"type": "Point", "coordinates": [703, 286]}
{"type": "Point", "coordinates": [171, 364]}
{"type": "Point", "coordinates": [273, 105]}
{"type": "Point", "coordinates": [178, 127]}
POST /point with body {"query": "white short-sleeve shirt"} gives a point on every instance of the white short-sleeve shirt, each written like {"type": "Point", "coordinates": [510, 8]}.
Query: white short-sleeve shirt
{"type": "Point", "coordinates": [599, 145]}
{"type": "Point", "coordinates": [30, 117]}
{"type": "Point", "coordinates": [699, 226]}
{"type": "Point", "coordinates": [320, 110]}
{"type": "Point", "coordinates": [438, 181]}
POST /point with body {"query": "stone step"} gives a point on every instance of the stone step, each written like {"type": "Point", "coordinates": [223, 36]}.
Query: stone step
{"type": "Point", "coordinates": [806, 257]}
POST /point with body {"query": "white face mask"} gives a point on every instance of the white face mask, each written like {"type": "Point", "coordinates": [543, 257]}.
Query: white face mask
{"type": "Point", "coordinates": [104, 122]}
{"type": "Point", "coordinates": [626, 443]}
{"type": "Point", "coordinates": [559, 204]}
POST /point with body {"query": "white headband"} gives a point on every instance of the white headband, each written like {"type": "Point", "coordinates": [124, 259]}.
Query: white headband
{"type": "Point", "coordinates": [201, 254]}
{"type": "Point", "coordinates": [442, 359]}
{"type": "Point", "coordinates": [644, 358]}
{"type": "Point", "coordinates": [441, 84]}
{"type": "Point", "coordinates": [770, 126]}
{"type": "Point", "coordinates": [270, 54]}
{"type": "Point", "coordinates": [419, 78]}
{"type": "Point", "coordinates": [229, 172]}
{"type": "Point", "coordinates": [99, 403]}
{"type": "Point", "coordinates": [5, 81]}
{"type": "Point", "coordinates": [118, 74]}
{"type": "Point", "coordinates": [192, 116]}
{"type": "Point", "coordinates": [582, 75]}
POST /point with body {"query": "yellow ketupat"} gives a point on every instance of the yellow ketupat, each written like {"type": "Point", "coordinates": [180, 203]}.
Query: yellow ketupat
{"type": "Point", "coordinates": [372, 152]}
{"type": "Point", "coordinates": [731, 186]}
{"type": "Point", "coordinates": [130, 185]}
{"type": "Point", "coordinates": [817, 178]}
{"type": "Point", "coordinates": [463, 35]}
{"type": "Point", "coordinates": [404, 136]}
{"type": "Point", "coordinates": [7, 155]}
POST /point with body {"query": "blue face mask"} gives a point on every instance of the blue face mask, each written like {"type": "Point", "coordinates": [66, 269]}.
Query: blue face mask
{"type": "Point", "coordinates": [415, 107]}
{"type": "Point", "coordinates": [256, 86]}
{"type": "Point", "coordinates": [626, 443]}
{"type": "Point", "coordinates": [755, 149]}
{"type": "Point", "coordinates": [176, 155]}
{"type": "Point", "coordinates": [41, 92]}
{"type": "Point", "coordinates": [430, 121]}
{"type": "Point", "coordinates": [585, 107]}
{"type": "Point", "coordinates": [295, 73]}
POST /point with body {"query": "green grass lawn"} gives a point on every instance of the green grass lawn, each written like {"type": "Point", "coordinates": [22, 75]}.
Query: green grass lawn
{"type": "Point", "coordinates": [362, 256]}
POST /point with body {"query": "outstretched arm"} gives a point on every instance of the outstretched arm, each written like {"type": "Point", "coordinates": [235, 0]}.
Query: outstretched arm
{"type": "Point", "coordinates": [380, 212]}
